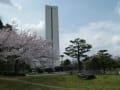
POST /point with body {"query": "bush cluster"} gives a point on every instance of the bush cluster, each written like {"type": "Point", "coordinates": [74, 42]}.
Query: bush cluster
{"type": "Point", "coordinates": [12, 74]}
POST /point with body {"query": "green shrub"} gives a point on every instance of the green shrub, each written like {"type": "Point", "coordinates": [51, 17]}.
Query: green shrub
{"type": "Point", "coordinates": [49, 70]}
{"type": "Point", "coordinates": [58, 68]}
{"type": "Point", "coordinates": [12, 74]}
{"type": "Point", "coordinates": [39, 70]}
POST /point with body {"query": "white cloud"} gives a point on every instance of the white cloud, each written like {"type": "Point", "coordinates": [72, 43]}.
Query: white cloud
{"type": "Point", "coordinates": [14, 20]}
{"type": "Point", "coordinates": [18, 6]}
{"type": "Point", "coordinates": [102, 35]}
{"type": "Point", "coordinates": [10, 3]}
{"type": "Point", "coordinates": [116, 40]}
{"type": "Point", "coordinates": [38, 28]}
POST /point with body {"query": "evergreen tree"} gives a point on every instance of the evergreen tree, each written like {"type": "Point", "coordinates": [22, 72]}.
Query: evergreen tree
{"type": "Point", "coordinates": [77, 49]}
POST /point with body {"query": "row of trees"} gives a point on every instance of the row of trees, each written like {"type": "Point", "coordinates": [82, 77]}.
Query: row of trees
{"type": "Point", "coordinates": [20, 48]}
{"type": "Point", "coordinates": [102, 61]}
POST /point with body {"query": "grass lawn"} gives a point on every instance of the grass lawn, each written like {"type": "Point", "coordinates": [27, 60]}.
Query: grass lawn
{"type": "Point", "coordinates": [102, 82]}
{"type": "Point", "coordinates": [12, 85]}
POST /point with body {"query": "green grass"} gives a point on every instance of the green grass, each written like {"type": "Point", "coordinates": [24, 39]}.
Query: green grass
{"type": "Point", "coordinates": [102, 82]}
{"type": "Point", "coordinates": [12, 85]}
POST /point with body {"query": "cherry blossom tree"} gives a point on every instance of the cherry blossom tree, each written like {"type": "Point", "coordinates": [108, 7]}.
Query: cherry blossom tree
{"type": "Point", "coordinates": [25, 47]}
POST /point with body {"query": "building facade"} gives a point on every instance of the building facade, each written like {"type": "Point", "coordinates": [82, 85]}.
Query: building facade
{"type": "Point", "coordinates": [52, 29]}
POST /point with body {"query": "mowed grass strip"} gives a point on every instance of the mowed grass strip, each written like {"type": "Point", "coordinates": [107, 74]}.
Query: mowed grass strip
{"type": "Point", "coordinates": [70, 82]}
{"type": "Point", "coordinates": [18, 85]}
{"type": "Point", "coordinates": [102, 82]}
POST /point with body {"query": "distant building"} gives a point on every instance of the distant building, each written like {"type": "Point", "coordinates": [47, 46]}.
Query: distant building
{"type": "Point", "coordinates": [52, 32]}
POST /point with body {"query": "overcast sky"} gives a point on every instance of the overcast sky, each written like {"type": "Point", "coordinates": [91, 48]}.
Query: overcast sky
{"type": "Point", "coordinates": [97, 21]}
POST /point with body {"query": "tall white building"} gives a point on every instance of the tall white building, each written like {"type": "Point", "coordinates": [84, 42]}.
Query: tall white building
{"type": "Point", "coordinates": [52, 32]}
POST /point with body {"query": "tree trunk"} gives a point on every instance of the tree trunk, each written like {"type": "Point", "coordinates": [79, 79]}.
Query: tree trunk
{"type": "Point", "coordinates": [16, 68]}
{"type": "Point", "coordinates": [79, 63]}
{"type": "Point", "coordinates": [78, 59]}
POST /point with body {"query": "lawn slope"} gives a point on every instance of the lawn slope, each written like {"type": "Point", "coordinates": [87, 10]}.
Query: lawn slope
{"type": "Point", "coordinates": [61, 82]}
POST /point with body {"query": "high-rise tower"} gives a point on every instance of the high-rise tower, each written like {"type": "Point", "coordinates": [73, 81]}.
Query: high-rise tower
{"type": "Point", "coordinates": [52, 32]}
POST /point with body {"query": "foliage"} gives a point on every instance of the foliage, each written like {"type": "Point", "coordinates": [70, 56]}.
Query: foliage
{"type": "Point", "coordinates": [61, 56]}
{"type": "Point", "coordinates": [9, 66]}
{"type": "Point", "coordinates": [101, 61]}
{"type": "Point", "coordinates": [77, 49]}
{"type": "Point", "coordinates": [12, 74]}
{"type": "Point", "coordinates": [23, 47]}
{"type": "Point", "coordinates": [117, 62]}
{"type": "Point", "coordinates": [49, 70]}
{"type": "Point", "coordinates": [39, 70]}
{"type": "Point", "coordinates": [93, 63]}
{"type": "Point", "coordinates": [66, 62]}
{"type": "Point", "coordinates": [59, 68]}
{"type": "Point", "coordinates": [1, 24]}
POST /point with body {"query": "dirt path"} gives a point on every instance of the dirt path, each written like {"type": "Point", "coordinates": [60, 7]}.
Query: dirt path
{"type": "Point", "coordinates": [37, 84]}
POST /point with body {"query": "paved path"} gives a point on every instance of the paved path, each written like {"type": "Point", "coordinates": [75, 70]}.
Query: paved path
{"type": "Point", "coordinates": [46, 74]}
{"type": "Point", "coordinates": [38, 84]}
